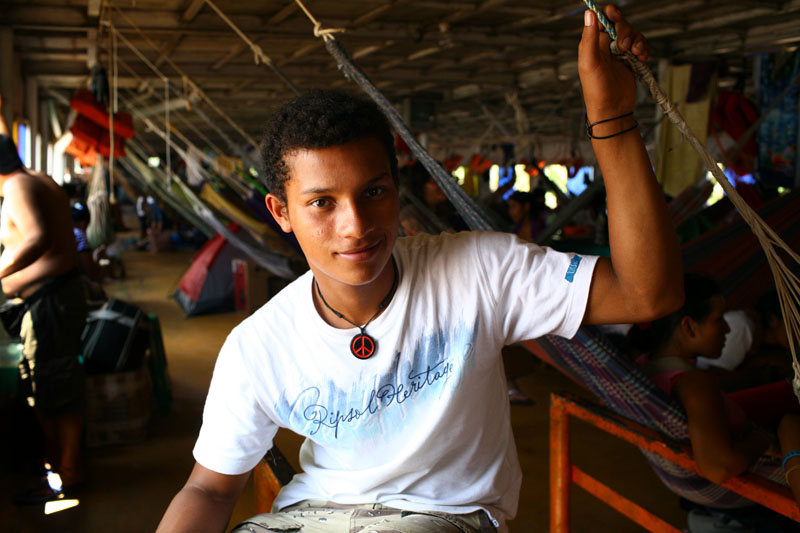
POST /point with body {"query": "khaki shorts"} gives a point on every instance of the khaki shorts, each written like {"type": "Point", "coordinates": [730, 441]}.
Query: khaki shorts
{"type": "Point", "coordinates": [327, 517]}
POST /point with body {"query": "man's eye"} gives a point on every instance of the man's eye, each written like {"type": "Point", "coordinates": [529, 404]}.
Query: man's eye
{"type": "Point", "coordinates": [319, 202]}
{"type": "Point", "coordinates": [373, 191]}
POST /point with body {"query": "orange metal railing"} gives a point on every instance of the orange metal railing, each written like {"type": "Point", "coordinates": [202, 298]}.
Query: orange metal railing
{"type": "Point", "coordinates": [562, 472]}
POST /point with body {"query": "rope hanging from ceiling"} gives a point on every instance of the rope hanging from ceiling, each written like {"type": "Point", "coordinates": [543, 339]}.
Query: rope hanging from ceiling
{"type": "Point", "coordinates": [187, 81]}
{"type": "Point", "coordinates": [258, 54]}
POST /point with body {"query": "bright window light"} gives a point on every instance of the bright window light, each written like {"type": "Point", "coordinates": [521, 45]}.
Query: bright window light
{"type": "Point", "coordinates": [557, 174]}
{"type": "Point", "coordinates": [460, 174]}
{"type": "Point", "coordinates": [551, 200]}
{"type": "Point", "coordinates": [578, 183]}
{"type": "Point", "coordinates": [523, 179]}
{"type": "Point", "coordinates": [59, 505]}
{"type": "Point", "coordinates": [154, 161]}
{"type": "Point", "coordinates": [494, 177]}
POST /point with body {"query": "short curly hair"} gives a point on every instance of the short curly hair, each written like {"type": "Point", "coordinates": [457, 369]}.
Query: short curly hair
{"type": "Point", "coordinates": [320, 118]}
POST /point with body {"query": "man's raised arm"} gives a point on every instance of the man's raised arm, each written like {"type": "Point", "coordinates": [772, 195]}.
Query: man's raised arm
{"type": "Point", "coordinates": [643, 278]}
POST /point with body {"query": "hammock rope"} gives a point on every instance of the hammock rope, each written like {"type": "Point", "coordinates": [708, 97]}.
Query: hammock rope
{"type": "Point", "coordinates": [242, 187]}
{"type": "Point", "coordinates": [786, 283]}
{"type": "Point", "coordinates": [319, 31]}
{"type": "Point", "coordinates": [112, 103]}
{"type": "Point", "coordinates": [185, 77]}
{"type": "Point", "coordinates": [258, 54]}
{"type": "Point", "coordinates": [235, 147]}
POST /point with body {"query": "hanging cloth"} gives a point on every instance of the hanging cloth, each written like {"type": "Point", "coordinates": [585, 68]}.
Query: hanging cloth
{"type": "Point", "coordinates": [678, 165]}
{"type": "Point", "coordinates": [100, 230]}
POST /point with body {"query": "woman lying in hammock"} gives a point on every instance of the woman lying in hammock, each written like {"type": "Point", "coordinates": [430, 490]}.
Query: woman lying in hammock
{"type": "Point", "coordinates": [724, 442]}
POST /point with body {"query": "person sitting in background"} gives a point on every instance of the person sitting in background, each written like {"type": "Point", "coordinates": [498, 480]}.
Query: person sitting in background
{"type": "Point", "coordinates": [141, 214]}
{"type": "Point", "coordinates": [86, 257]}
{"type": "Point", "coordinates": [428, 211]}
{"type": "Point", "coordinates": [98, 263]}
{"type": "Point", "coordinates": [724, 442]}
{"type": "Point", "coordinates": [756, 349]}
{"type": "Point", "coordinates": [529, 213]}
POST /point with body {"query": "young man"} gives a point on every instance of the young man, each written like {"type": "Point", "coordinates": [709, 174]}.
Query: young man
{"type": "Point", "coordinates": [40, 265]}
{"type": "Point", "coordinates": [386, 355]}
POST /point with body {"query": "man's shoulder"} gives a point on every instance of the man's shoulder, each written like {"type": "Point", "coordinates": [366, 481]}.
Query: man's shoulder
{"type": "Point", "coordinates": [455, 243]}
{"type": "Point", "coordinates": [284, 306]}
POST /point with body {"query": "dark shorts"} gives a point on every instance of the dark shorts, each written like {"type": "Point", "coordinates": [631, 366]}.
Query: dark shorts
{"type": "Point", "coordinates": [51, 372]}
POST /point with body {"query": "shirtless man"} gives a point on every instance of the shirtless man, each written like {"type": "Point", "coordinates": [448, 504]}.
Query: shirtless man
{"type": "Point", "coordinates": [39, 264]}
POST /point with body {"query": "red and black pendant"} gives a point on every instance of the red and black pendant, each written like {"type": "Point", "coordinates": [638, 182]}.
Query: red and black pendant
{"type": "Point", "coordinates": [362, 346]}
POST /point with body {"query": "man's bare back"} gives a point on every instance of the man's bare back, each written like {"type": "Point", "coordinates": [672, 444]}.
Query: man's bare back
{"type": "Point", "coordinates": [35, 231]}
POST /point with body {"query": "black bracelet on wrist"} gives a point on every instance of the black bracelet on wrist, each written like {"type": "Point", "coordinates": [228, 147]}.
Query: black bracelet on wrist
{"type": "Point", "coordinates": [590, 126]}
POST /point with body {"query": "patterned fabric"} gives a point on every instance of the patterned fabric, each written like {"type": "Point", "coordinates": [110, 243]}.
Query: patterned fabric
{"type": "Point", "coordinates": [779, 134]}
{"type": "Point", "coordinates": [594, 362]}
{"type": "Point", "coordinates": [732, 255]}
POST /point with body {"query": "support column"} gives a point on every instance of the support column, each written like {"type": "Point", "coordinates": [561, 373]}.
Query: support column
{"type": "Point", "coordinates": [7, 74]}
{"type": "Point", "coordinates": [32, 115]}
{"type": "Point", "coordinates": [46, 137]}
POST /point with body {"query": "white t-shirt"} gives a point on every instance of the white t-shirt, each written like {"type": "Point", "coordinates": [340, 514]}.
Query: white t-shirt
{"type": "Point", "coordinates": [738, 342]}
{"type": "Point", "coordinates": [423, 424]}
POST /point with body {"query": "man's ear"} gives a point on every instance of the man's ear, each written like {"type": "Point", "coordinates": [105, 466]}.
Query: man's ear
{"type": "Point", "coordinates": [278, 211]}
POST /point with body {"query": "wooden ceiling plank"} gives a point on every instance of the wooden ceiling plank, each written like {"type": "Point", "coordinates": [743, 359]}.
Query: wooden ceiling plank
{"type": "Point", "coordinates": [192, 10]}
{"type": "Point", "coordinates": [234, 51]}
{"type": "Point", "coordinates": [168, 50]}
{"type": "Point", "coordinates": [300, 52]}
{"type": "Point", "coordinates": [284, 13]}
{"type": "Point", "coordinates": [93, 8]}
{"type": "Point", "coordinates": [725, 20]}
{"type": "Point", "coordinates": [370, 15]}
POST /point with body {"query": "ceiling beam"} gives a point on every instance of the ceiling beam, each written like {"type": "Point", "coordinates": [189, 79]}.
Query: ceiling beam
{"type": "Point", "coordinates": [232, 52]}
{"type": "Point", "coordinates": [168, 50]}
{"type": "Point", "coordinates": [283, 13]}
{"type": "Point", "coordinates": [93, 8]}
{"type": "Point", "coordinates": [192, 9]}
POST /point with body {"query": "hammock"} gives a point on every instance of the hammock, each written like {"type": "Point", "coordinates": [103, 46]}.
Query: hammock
{"type": "Point", "coordinates": [596, 364]}
{"type": "Point", "coordinates": [260, 231]}
{"type": "Point", "coordinates": [732, 256]}
{"type": "Point", "coordinates": [593, 362]}
{"type": "Point", "coordinates": [275, 262]}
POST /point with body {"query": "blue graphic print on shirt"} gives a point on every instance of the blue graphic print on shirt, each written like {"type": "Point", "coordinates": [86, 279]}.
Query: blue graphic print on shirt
{"type": "Point", "coordinates": [325, 413]}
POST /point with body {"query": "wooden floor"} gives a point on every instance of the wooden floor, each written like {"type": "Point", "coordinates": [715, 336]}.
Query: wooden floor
{"type": "Point", "coordinates": [131, 485]}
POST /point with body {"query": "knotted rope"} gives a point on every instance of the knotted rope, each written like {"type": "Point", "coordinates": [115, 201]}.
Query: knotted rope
{"type": "Point", "coordinates": [258, 54]}
{"type": "Point", "coordinates": [786, 283]}
{"type": "Point", "coordinates": [185, 77]}
{"type": "Point", "coordinates": [319, 31]}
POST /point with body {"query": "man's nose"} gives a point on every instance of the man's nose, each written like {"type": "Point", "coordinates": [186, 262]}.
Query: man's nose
{"type": "Point", "coordinates": [353, 220]}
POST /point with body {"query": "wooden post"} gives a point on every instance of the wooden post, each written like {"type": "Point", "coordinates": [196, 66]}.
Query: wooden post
{"type": "Point", "coordinates": [7, 73]}
{"type": "Point", "coordinates": [560, 475]}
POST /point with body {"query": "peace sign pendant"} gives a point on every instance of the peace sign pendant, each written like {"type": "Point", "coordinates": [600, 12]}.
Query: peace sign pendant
{"type": "Point", "coordinates": [362, 346]}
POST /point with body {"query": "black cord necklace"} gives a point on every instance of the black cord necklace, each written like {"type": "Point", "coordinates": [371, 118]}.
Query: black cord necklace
{"type": "Point", "coordinates": [363, 346]}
